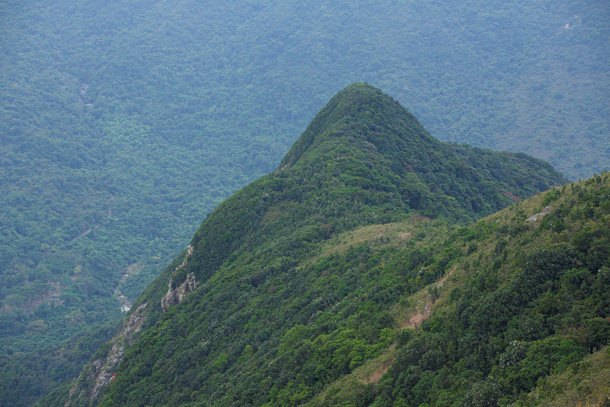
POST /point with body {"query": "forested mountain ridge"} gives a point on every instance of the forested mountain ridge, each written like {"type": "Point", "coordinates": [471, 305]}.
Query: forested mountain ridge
{"type": "Point", "coordinates": [123, 123]}
{"type": "Point", "coordinates": [291, 256]}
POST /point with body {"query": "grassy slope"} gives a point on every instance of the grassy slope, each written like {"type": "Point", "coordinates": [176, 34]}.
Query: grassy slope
{"type": "Point", "coordinates": [577, 382]}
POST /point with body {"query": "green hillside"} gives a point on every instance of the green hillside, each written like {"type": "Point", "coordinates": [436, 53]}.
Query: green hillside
{"type": "Point", "coordinates": [292, 283]}
{"type": "Point", "coordinates": [522, 302]}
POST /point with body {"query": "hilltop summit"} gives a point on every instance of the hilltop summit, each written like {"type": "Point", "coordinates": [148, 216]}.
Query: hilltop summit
{"type": "Point", "coordinates": [361, 114]}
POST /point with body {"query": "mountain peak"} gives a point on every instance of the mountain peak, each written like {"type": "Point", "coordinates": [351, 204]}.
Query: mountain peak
{"type": "Point", "coordinates": [359, 115]}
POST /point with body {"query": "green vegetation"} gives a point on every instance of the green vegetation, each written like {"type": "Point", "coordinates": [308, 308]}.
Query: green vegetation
{"type": "Point", "coordinates": [585, 383]}
{"type": "Point", "coordinates": [513, 311]}
{"type": "Point", "coordinates": [532, 300]}
{"type": "Point", "coordinates": [283, 308]}
{"type": "Point", "coordinates": [123, 124]}
{"type": "Point", "coordinates": [28, 376]}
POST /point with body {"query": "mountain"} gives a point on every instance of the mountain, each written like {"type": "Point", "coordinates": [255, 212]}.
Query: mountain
{"type": "Point", "coordinates": [520, 318]}
{"type": "Point", "coordinates": [122, 124]}
{"type": "Point", "coordinates": [290, 284]}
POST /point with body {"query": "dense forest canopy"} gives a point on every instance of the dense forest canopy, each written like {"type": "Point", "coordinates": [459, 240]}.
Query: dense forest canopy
{"type": "Point", "coordinates": [123, 123]}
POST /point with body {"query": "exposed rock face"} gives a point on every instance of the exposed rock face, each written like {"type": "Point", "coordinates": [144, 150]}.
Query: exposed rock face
{"type": "Point", "coordinates": [537, 216]}
{"type": "Point", "coordinates": [176, 295]}
{"type": "Point", "coordinates": [101, 371]}
{"type": "Point", "coordinates": [105, 371]}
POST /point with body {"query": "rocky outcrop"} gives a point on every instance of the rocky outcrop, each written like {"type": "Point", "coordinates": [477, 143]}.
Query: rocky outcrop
{"type": "Point", "coordinates": [175, 295]}
{"type": "Point", "coordinates": [102, 371]}
{"type": "Point", "coordinates": [537, 216]}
